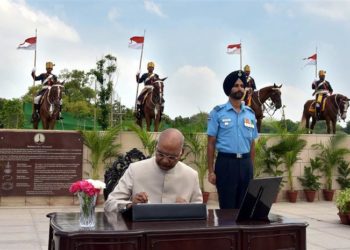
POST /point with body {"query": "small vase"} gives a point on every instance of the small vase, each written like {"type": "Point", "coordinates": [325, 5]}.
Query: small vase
{"type": "Point", "coordinates": [87, 210]}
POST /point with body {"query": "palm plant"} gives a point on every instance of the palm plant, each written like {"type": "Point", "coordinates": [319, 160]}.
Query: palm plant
{"type": "Point", "coordinates": [310, 181]}
{"type": "Point", "coordinates": [147, 140]}
{"type": "Point", "coordinates": [344, 174]}
{"type": "Point", "coordinates": [101, 145]}
{"type": "Point", "coordinates": [288, 149]}
{"type": "Point", "coordinates": [331, 154]}
{"type": "Point", "coordinates": [197, 145]}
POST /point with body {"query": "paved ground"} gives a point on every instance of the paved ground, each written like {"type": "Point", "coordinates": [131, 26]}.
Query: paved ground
{"type": "Point", "coordinates": [26, 228]}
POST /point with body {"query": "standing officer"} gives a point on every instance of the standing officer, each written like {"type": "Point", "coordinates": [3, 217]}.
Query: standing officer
{"type": "Point", "coordinates": [250, 87]}
{"type": "Point", "coordinates": [147, 79]}
{"type": "Point", "coordinates": [231, 131]}
{"type": "Point", "coordinates": [322, 88]}
{"type": "Point", "coordinates": [46, 79]}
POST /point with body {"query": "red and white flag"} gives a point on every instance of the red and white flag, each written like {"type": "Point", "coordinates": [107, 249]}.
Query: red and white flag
{"type": "Point", "coordinates": [234, 49]}
{"type": "Point", "coordinates": [311, 60]}
{"type": "Point", "coordinates": [136, 42]}
{"type": "Point", "coordinates": [29, 44]}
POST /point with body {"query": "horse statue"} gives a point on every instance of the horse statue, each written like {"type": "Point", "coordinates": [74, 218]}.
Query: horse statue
{"type": "Point", "coordinates": [152, 105]}
{"type": "Point", "coordinates": [260, 96]}
{"type": "Point", "coordinates": [333, 106]}
{"type": "Point", "coordinates": [50, 106]}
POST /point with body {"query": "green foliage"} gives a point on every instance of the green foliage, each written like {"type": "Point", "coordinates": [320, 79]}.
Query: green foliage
{"type": "Point", "coordinates": [344, 174]}
{"type": "Point", "coordinates": [148, 142]}
{"type": "Point", "coordinates": [197, 145]}
{"type": "Point", "coordinates": [289, 148]}
{"type": "Point", "coordinates": [330, 155]}
{"type": "Point", "coordinates": [343, 201]}
{"type": "Point", "coordinates": [262, 155]}
{"type": "Point", "coordinates": [101, 146]}
{"type": "Point", "coordinates": [11, 113]}
{"type": "Point", "coordinates": [104, 73]}
{"type": "Point", "coordinates": [310, 181]}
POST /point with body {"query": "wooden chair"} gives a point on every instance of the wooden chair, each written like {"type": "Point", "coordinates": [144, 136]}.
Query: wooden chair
{"type": "Point", "coordinates": [116, 171]}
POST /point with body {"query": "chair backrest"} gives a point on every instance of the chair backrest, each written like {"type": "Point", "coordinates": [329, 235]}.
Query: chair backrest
{"type": "Point", "coordinates": [116, 171]}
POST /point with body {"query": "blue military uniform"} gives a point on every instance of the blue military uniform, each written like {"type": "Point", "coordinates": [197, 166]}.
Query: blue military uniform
{"type": "Point", "coordinates": [234, 133]}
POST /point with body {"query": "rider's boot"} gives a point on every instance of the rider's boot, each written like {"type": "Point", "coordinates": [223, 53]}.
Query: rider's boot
{"type": "Point", "coordinates": [35, 115]}
{"type": "Point", "coordinates": [138, 111]}
{"type": "Point", "coordinates": [318, 113]}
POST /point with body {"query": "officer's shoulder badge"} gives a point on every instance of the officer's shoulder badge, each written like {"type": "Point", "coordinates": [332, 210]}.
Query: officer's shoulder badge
{"type": "Point", "coordinates": [219, 107]}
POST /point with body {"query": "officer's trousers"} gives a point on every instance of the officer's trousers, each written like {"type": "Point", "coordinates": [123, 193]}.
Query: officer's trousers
{"type": "Point", "coordinates": [232, 179]}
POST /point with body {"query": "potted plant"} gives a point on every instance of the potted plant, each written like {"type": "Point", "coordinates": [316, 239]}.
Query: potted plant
{"type": "Point", "coordinates": [343, 204]}
{"type": "Point", "coordinates": [330, 154]}
{"type": "Point", "coordinates": [288, 149]}
{"type": "Point", "coordinates": [147, 140]}
{"type": "Point", "coordinates": [101, 145]}
{"type": "Point", "coordinates": [310, 181]}
{"type": "Point", "coordinates": [344, 174]}
{"type": "Point", "coordinates": [197, 145]}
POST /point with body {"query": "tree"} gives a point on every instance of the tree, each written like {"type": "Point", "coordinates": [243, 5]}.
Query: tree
{"type": "Point", "coordinates": [104, 73]}
{"type": "Point", "coordinates": [11, 113]}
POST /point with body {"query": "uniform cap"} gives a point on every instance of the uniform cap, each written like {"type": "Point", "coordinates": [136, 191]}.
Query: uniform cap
{"type": "Point", "coordinates": [49, 65]}
{"type": "Point", "coordinates": [150, 64]}
{"type": "Point", "coordinates": [232, 78]}
{"type": "Point", "coordinates": [322, 73]}
{"type": "Point", "coordinates": [247, 68]}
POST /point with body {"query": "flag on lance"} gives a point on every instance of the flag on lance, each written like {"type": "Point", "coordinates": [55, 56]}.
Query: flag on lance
{"type": "Point", "coordinates": [311, 60]}
{"type": "Point", "coordinates": [136, 42]}
{"type": "Point", "coordinates": [234, 48]}
{"type": "Point", "coordinates": [28, 44]}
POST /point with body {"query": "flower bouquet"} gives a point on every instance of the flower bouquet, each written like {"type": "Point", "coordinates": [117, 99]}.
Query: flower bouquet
{"type": "Point", "coordinates": [87, 191]}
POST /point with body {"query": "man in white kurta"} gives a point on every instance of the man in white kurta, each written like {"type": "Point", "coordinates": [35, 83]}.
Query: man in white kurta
{"type": "Point", "coordinates": [160, 179]}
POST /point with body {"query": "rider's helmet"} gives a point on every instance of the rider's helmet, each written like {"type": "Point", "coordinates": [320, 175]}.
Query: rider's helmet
{"type": "Point", "coordinates": [49, 65]}
{"type": "Point", "coordinates": [246, 68]}
{"type": "Point", "coordinates": [322, 73]}
{"type": "Point", "coordinates": [150, 64]}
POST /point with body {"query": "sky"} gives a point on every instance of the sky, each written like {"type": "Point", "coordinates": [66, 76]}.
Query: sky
{"type": "Point", "coordinates": [187, 40]}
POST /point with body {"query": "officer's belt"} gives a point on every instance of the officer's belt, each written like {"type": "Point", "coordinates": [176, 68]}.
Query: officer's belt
{"type": "Point", "coordinates": [234, 156]}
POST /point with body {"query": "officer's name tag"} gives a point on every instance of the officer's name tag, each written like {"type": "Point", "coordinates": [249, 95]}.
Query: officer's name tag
{"type": "Point", "coordinates": [248, 123]}
{"type": "Point", "coordinates": [226, 121]}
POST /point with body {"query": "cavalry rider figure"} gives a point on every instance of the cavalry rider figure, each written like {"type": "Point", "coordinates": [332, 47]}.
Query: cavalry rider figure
{"type": "Point", "coordinates": [322, 88]}
{"type": "Point", "coordinates": [249, 88]}
{"type": "Point", "coordinates": [148, 79]}
{"type": "Point", "coordinates": [47, 79]}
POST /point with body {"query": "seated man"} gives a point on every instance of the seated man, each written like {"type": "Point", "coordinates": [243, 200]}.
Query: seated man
{"type": "Point", "coordinates": [160, 179]}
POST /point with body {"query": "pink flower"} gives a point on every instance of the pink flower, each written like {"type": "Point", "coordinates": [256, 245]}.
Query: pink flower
{"type": "Point", "coordinates": [85, 186]}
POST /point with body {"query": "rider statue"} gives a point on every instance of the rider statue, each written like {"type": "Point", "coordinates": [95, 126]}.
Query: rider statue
{"type": "Point", "coordinates": [250, 87]}
{"type": "Point", "coordinates": [148, 79]}
{"type": "Point", "coordinates": [322, 88]}
{"type": "Point", "coordinates": [47, 79]}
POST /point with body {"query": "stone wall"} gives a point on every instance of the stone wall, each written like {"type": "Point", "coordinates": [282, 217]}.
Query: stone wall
{"type": "Point", "coordinates": [129, 140]}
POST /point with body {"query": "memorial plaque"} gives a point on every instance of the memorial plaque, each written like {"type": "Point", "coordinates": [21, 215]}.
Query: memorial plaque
{"type": "Point", "coordinates": [39, 163]}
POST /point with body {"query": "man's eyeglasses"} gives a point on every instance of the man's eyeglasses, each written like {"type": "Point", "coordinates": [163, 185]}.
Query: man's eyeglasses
{"type": "Point", "coordinates": [169, 157]}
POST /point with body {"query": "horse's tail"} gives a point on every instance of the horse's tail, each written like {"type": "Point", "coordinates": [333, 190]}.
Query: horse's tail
{"type": "Point", "coordinates": [303, 121]}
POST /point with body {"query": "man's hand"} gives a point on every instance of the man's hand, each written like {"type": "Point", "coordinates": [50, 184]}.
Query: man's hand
{"type": "Point", "coordinates": [180, 200]}
{"type": "Point", "coordinates": [141, 197]}
{"type": "Point", "coordinates": [33, 70]}
{"type": "Point", "coordinates": [212, 178]}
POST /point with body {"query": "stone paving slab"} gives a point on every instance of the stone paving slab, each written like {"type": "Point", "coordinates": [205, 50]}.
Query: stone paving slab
{"type": "Point", "coordinates": [27, 227]}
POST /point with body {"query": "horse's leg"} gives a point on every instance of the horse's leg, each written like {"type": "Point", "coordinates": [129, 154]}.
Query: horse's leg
{"type": "Point", "coordinates": [156, 122]}
{"type": "Point", "coordinates": [313, 123]}
{"type": "Point", "coordinates": [148, 122]}
{"type": "Point", "coordinates": [52, 124]}
{"type": "Point", "coordinates": [334, 126]}
{"type": "Point", "coordinates": [328, 123]}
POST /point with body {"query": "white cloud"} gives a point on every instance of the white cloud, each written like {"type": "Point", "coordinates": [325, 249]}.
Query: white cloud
{"type": "Point", "coordinates": [191, 90]}
{"type": "Point", "coordinates": [335, 10]}
{"type": "Point", "coordinates": [113, 15]}
{"type": "Point", "coordinates": [153, 8]}
{"type": "Point", "coordinates": [271, 8]}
